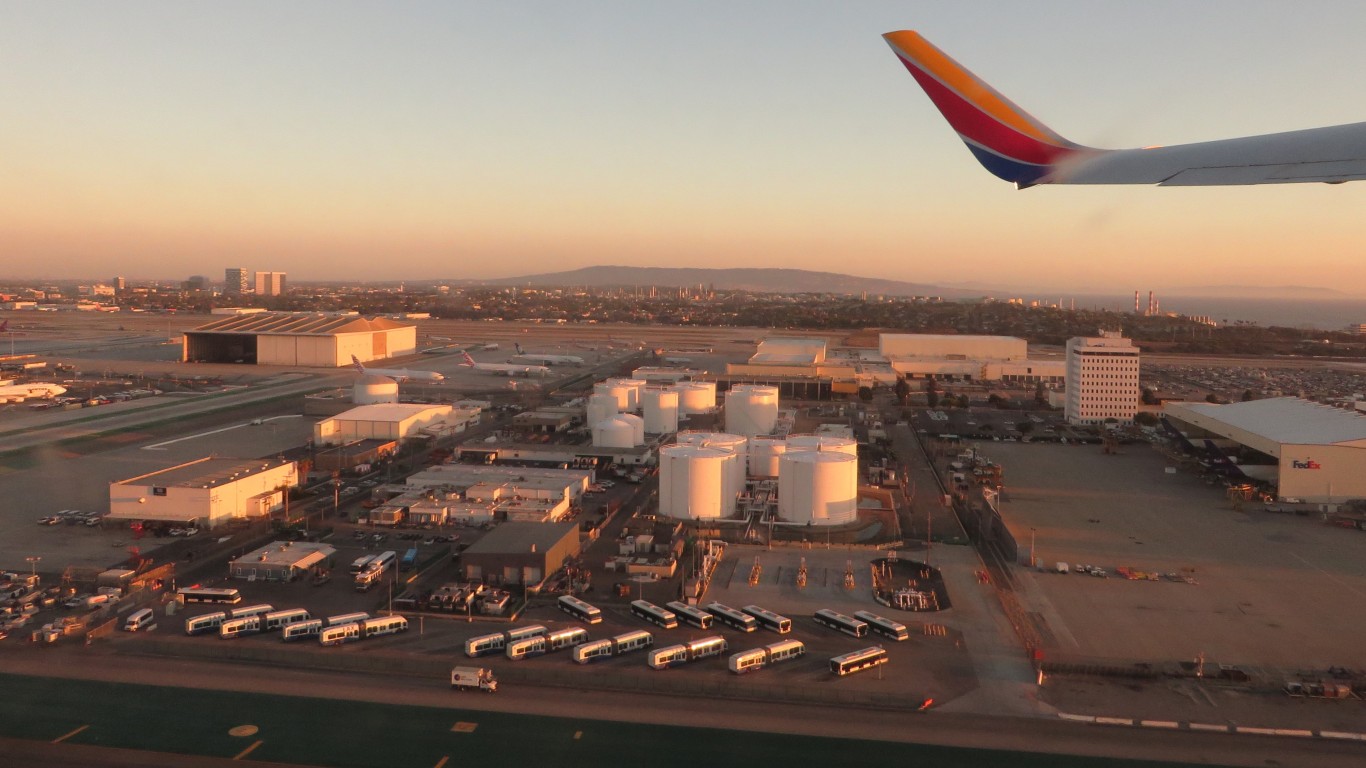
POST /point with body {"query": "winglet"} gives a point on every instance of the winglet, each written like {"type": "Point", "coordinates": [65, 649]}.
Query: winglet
{"type": "Point", "coordinates": [356, 363]}
{"type": "Point", "coordinates": [1004, 138]}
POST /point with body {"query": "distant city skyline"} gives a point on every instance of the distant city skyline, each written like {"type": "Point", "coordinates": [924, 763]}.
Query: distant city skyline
{"type": "Point", "coordinates": [337, 141]}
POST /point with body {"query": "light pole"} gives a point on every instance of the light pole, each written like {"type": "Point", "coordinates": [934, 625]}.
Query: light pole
{"type": "Point", "coordinates": [32, 561]}
{"type": "Point", "coordinates": [1031, 548]}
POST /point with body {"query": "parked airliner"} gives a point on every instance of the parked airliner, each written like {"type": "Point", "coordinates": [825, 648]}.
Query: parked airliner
{"type": "Point", "coordinates": [507, 369]}
{"type": "Point", "coordinates": [399, 374]}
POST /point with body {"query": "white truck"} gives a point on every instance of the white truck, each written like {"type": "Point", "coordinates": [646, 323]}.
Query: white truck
{"type": "Point", "coordinates": [473, 678]}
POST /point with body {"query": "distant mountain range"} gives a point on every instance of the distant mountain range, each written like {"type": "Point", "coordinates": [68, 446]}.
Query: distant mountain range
{"type": "Point", "coordinates": [770, 280]}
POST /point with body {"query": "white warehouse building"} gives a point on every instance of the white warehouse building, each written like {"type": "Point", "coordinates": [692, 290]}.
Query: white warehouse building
{"type": "Point", "coordinates": [391, 421]}
{"type": "Point", "coordinates": [298, 339]}
{"type": "Point", "coordinates": [206, 493]}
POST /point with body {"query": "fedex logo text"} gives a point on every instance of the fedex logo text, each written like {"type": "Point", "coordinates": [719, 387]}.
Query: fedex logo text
{"type": "Point", "coordinates": [1306, 464]}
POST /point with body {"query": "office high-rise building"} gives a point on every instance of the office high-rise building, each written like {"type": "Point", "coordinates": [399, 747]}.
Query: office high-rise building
{"type": "Point", "coordinates": [1102, 379]}
{"type": "Point", "coordinates": [270, 283]}
{"type": "Point", "coordinates": [235, 281]}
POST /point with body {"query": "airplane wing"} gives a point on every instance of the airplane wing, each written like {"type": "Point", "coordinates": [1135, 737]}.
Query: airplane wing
{"type": "Point", "coordinates": [1018, 148]}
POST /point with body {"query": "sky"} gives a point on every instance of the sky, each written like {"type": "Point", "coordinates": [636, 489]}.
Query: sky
{"type": "Point", "coordinates": [414, 140]}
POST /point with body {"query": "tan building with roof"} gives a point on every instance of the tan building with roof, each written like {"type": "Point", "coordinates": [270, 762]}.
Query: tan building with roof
{"type": "Point", "coordinates": [298, 339]}
{"type": "Point", "coordinates": [204, 493]}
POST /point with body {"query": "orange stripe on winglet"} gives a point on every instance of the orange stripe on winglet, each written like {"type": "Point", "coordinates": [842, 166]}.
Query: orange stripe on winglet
{"type": "Point", "coordinates": [921, 52]}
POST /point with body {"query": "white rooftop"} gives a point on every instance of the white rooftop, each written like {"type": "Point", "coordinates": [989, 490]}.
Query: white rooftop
{"type": "Point", "coordinates": [390, 412]}
{"type": "Point", "coordinates": [1287, 420]}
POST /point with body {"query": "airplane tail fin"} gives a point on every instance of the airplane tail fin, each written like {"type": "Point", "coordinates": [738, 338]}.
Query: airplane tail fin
{"type": "Point", "coordinates": [518, 347]}
{"type": "Point", "coordinates": [1004, 138]}
{"type": "Point", "coordinates": [467, 359]}
{"type": "Point", "coordinates": [355, 362]}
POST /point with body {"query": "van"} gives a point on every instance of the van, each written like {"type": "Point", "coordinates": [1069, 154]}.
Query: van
{"type": "Point", "coordinates": [140, 620]}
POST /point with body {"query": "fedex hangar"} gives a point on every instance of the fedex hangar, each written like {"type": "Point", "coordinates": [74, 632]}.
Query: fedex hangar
{"type": "Point", "coordinates": [298, 339]}
{"type": "Point", "coordinates": [1308, 452]}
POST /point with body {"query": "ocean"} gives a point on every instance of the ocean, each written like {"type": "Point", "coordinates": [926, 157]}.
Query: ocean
{"type": "Point", "coordinates": [1324, 314]}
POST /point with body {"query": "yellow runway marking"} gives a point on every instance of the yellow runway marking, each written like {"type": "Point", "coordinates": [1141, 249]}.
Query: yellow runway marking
{"type": "Point", "coordinates": [61, 739]}
{"type": "Point", "coordinates": [463, 727]}
{"type": "Point", "coordinates": [248, 750]}
{"type": "Point", "coordinates": [442, 762]}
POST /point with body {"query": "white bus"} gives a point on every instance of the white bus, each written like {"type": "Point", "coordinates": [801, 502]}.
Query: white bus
{"type": "Point", "coordinates": [707, 646]}
{"type": "Point", "coordinates": [732, 618]}
{"type": "Point", "coordinates": [850, 663]}
{"type": "Point", "coordinates": [382, 562]}
{"type": "Point", "coordinates": [260, 609]}
{"type": "Point", "coordinates": [207, 595]}
{"type": "Point", "coordinates": [690, 615]}
{"type": "Point", "coordinates": [301, 629]}
{"type": "Point", "coordinates": [673, 655]}
{"type": "Point", "coordinates": [841, 623]}
{"type": "Point", "coordinates": [758, 658]}
{"type": "Point", "coordinates": [196, 625]}
{"type": "Point", "coordinates": [139, 620]}
{"type": "Point", "coordinates": [283, 618]}
{"type": "Point", "coordinates": [769, 620]}
{"type": "Point", "coordinates": [341, 633]}
{"type": "Point", "coordinates": [580, 610]}
{"type": "Point", "coordinates": [384, 625]}
{"type": "Point", "coordinates": [555, 641]}
{"type": "Point", "coordinates": [358, 565]}
{"type": "Point", "coordinates": [498, 641]}
{"type": "Point", "coordinates": [346, 618]}
{"type": "Point", "coordinates": [367, 579]}
{"type": "Point", "coordinates": [654, 614]}
{"type": "Point", "coordinates": [884, 626]}
{"type": "Point", "coordinates": [592, 651]}
{"type": "Point", "coordinates": [616, 646]}
{"type": "Point", "coordinates": [246, 625]}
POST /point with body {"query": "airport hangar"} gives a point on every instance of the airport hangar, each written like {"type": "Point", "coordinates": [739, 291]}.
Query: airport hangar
{"type": "Point", "coordinates": [298, 339]}
{"type": "Point", "coordinates": [1310, 452]}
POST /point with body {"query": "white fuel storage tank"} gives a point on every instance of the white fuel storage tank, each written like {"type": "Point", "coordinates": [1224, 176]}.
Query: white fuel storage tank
{"type": "Point", "coordinates": [660, 407]}
{"type": "Point", "coordinates": [818, 487]}
{"type": "Point", "coordinates": [620, 392]}
{"type": "Point", "coordinates": [692, 482]}
{"type": "Point", "coordinates": [633, 387]}
{"type": "Point", "coordinates": [751, 409]}
{"type": "Point", "coordinates": [637, 427]}
{"type": "Point", "coordinates": [601, 407]}
{"type": "Point", "coordinates": [614, 433]}
{"type": "Point", "coordinates": [732, 444]}
{"type": "Point", "coordinates": [827, 443]}
{"type": "Point", "coordinates": [696, 397]}
{"type": "Point", "coordinates": [373, 389]}
{"type": "Point", "coordinates": [763, 456]}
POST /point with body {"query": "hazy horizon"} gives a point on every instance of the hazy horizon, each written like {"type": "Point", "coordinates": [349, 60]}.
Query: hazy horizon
{"type": "Point", "coordinates": [419, 139]}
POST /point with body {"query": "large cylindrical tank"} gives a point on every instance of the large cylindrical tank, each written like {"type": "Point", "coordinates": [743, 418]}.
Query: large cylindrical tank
{"type": "Point", "coordinates": [696, 397]}
{"type": "Point", "coordinates": [818, 487]}
{"type": "Point", "coordinates": [634, 388]}
{"type": "Point", "coordinates": [621, 392]}
{"type": "Point", "coordinates": [614, 433]}
{"type": "Point", "coordinates": [660, 407]}
{"type": "Point", "coordinates": [692, 481]}
{"type": "Point", "coordinates": [751, 409]}
{"type": "Point", "coordinates": [763, 456]}
{"type": "Point", "coordinates": [732, 444]}
{"type": "Point", "coordinates": [822, 443]}
{"type": "Point", "coordinates": [373, 388]}
{"type": "Point", "coordinates": [637, 427]}
{"type": "Point", "coordinates": [601, 407]}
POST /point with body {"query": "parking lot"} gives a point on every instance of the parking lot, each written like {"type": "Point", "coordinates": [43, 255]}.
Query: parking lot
{"type": "Point", "coordinates": [1271, 590]}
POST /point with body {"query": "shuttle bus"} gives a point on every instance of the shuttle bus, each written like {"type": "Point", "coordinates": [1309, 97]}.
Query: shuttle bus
{"type": "Point", "coordinates": [654, 614]}
{"type": "Point", "coordinates": [758, 658]}
{"type": "Point", "coordinates": [580, 610]}
{"type": "Point", "coordinates": [616, 646]}
{"type": "Point", "coordinates": [673, 655]}
{"type": "Point", "coordinates": [707, 646]}
{"type": "Point", "coordinates": [260, 609]}
{"type": "Point", "coordinates": [247, 625]}
{"type": "Point", "coordinates": [382, 562]}
{"type": "Point", "coordinates": [884, 626]}
{"type": "Point", "coordinates": [498, 641]}
{"type": "Point", "coordinates": [301, 629]}
{"type": "Point", "coordinates": [690, 615]}
{"type": "Point", "coordinates": [555, 641]}
{"type": "Point", "coordinates": [139, 620]}
{"type": "Point", "coordinates": [196, 625]}
{"type": "Point", "coordinates": [206, 595]}
{"type": "Point", "coordinates": [769, 620]}
{"type": "Point", "coordinates": [346, 618]}
{"type": "Point", "coordinates": [358, 565]}
{"type": "Point", "coordinates": [850, 663]}
{"type": "Point", "coordinates": [409, 560]}
{"type": "Point", "coordinates": [841, 623]}
{"type": "Point", "coordinates": [340, 633]}
{"type": "Point", "coordinates": [384, 625]}
{"type": "Point", "coordinates": [732, 618]}
{"type": "Point", "coordinates": [281, 619]}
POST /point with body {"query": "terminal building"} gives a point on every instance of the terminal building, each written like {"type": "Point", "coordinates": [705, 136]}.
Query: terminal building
{"type": "Point", "coordinates": [1309, 452]}
{"type": "Point", "coordinates": [298, 339]}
